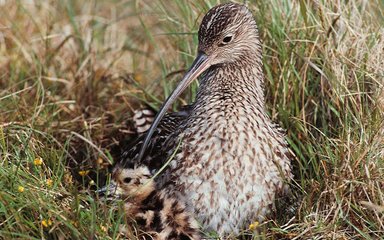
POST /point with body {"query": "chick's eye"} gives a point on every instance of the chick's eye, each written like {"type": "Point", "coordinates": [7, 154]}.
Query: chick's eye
{"type": "Point", "coordinates": [127, 180]}
{"type": "Point", "coordinates": [227, 39]}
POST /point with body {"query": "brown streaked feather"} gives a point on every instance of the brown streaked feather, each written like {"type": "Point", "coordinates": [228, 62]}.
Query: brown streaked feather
{"type": "Point", "coordinates": [233, 161]}
{"type": "Point", "coordinates": [160, 215]}
{"type": "Point", "coordinates": [142, 119]}
{"type": "Point", "coordinates": [154, 157]}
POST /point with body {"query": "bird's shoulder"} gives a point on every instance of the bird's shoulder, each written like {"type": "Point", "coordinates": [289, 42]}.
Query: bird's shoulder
{"type": "Point", "coordinates": [164, 137]}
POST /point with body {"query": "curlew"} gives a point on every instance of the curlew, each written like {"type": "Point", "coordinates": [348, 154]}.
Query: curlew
{"type": "Point", "coordinates": [232, 161]}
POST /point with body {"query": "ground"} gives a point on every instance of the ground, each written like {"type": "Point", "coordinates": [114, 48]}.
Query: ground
{"type": "Point", "coordinates": [73, 72]}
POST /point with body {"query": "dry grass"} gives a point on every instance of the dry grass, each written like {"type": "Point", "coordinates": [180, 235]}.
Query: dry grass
{"type": "Point", "coordinates": [72, 72]}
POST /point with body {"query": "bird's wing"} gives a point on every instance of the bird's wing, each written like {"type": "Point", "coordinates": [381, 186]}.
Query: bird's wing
{"type": "Point", "coordinates": [159, 146]}
{"type": "Point", "coordinates": [142, 119]}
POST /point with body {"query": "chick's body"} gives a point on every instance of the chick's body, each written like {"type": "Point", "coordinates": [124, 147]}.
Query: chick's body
{"type": "Point", "coordinates": [159, 215]}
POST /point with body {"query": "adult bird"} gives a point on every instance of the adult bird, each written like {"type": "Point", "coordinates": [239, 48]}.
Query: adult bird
{"type": "Point", "coordinates": [230, 160]}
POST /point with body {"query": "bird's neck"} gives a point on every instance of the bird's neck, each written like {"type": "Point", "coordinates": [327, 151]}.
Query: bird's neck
{"type": "Point", "coordinates": [232, 83]}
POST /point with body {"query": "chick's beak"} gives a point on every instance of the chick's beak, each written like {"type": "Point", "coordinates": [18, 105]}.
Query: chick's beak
{"type": "Point", "coordinates": [107, 190]}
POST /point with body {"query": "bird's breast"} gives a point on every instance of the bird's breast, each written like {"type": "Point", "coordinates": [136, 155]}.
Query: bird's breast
{"type": "Point", "coordinates": [224, 165]}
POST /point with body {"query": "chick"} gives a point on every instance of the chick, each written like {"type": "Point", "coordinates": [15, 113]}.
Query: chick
{"type": "Point", "coordinates": [157, 213]}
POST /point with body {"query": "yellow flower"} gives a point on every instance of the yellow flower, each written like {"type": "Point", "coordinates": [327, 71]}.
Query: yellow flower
{"type": "Point", "coordinates": [49, 182]}
{"type": "Point", "coordinates": [103, 228]}
{"type": "Point", "coordinates": [99, 161]}
{"type": "Point", "coordinates": [138, 77]}
{"type": "Point", "coordinates": [253, 225]}
{"type": "Point", "coordinates": [83, 173]}
{"type": "Point", "coordinates": [46, 223]}
{"type": "Point", "coordinates": [20, 189]}
{"type": "Point", "coordinates": [38, 161]}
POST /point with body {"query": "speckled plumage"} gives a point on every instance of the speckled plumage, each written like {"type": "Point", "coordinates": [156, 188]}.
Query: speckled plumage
{"type": "Point", "coordinates": [159, 215]}
{"type": "Point", "coordinates": [142, 120]}
{"type": "Point", "coordinates": [232, 161]}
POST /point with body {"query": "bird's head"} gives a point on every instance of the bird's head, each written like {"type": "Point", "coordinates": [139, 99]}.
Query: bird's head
{"type": "Point", "coordinates": [228, 34]}
{"type": "Point", "coordinates": [134, 184]}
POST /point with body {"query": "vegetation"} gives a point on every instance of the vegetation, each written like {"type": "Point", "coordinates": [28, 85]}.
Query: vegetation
{"type": "Point", "coordinates": [72, 72]}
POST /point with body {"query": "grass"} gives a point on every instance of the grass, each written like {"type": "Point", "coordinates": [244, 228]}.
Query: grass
{"type": "Point", "coordinates": [72, 72]}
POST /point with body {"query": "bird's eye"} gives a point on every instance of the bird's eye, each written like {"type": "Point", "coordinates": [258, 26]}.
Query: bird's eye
{"type": "Point", "coordinates": [227, 39]}
{"type": "Point", "coordinates": [127, 180]}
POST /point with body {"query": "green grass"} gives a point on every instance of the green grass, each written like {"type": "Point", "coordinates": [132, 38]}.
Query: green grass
{"type": "Point", "coordinates": [72, 72]}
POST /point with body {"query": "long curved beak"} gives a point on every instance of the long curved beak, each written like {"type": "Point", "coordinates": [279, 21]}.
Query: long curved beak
{"type": "Point", "coordinates": [200, 64]}
{"type": "Point", "coordinates": [107, 190]}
